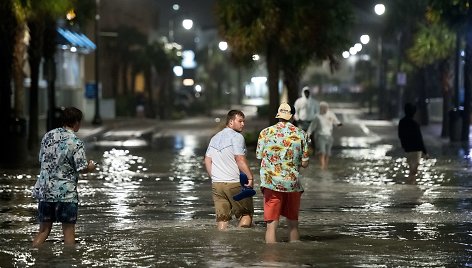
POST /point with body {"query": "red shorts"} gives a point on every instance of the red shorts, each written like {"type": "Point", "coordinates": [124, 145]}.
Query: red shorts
{"type": "Point", "coordinates": [276, 203]}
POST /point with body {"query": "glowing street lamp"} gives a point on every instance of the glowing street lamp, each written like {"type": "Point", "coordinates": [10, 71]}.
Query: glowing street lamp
{"type": "Point", "coordinates": [379, 9]}
{"type": "Point", "coordinates": [223, 46]}
{"type": "Point", "coordinates": [187, 24]}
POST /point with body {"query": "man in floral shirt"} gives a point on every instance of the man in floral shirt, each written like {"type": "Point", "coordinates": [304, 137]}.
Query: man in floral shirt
{"type": "Point", "coordinates": [282, 149]}
{"type": "Point", "coordinates": [62, 157]}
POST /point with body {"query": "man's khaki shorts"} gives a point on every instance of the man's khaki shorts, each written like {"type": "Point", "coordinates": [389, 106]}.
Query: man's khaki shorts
{"type": "Point", "coordinates": [225, 206]}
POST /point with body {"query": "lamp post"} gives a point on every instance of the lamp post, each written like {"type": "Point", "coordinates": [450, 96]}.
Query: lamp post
{"type": "Point", "coordinates": [379, 9]}
{"type": "Point", "coordinates": [97, 119]}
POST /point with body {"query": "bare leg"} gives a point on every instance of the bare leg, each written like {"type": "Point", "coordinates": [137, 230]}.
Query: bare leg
{"type": "Point", "coordinates": [43, 233]}
{"type": "Point", "coordinates": [412, 174]}
{"type": "Point", "coordinates": [326, 161]}
{"type": "Point", "coordinates": [322, 161]}
{"type": "Point", "coordinates": [68, 229]}
{"type": "Point", "coordinates": [270, 236]}
{"type": "Point", "coordinates": [222, 225]}
{"type": "Point", "coordinates": [245, 221]}
{"type": "Point", "coordinates": [293, 234]}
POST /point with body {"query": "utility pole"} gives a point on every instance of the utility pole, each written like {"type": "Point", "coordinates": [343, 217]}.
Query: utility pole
{"type": "Point", "coordinates": [97, 119]}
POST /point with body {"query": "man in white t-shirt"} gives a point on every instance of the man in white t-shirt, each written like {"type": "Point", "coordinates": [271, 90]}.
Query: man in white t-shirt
{"type": "Point", "coordinates": [306, 109]}
{"type": "Point", "coordinates": [322, 127]}
{"type": "Point", "coordinates": [225, 159]}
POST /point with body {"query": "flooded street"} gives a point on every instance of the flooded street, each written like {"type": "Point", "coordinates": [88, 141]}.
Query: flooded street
{"type": "Point", "coordinates": [152, 207]}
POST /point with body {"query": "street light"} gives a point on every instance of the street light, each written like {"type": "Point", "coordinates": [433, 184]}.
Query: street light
{"type": "Point", "coordinates": [365, 39]}
{"type": "Point", "coordinates": [187, 24]}
{"type": "Point", "coordinates": [223, 46]}
{"type": "Point", "coordinates": [380, 9]}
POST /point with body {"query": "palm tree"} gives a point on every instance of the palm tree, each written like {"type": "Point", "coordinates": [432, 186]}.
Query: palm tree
{"type": "Point", "coordinates": [37, 12]}
{"type": "Point", "coordinates": [164, 56]}
{"type": "Point", "coordinates": [434, 44]}
{"type": "Point", "coordinates": [458, 15]}
{"type": "Point", "coordinates": [8, 29]}
{"type": "Point", "coordinates": [313, 30]}
{"type": "Point", "coordinates": [21, 43]}
{"type": "Point", "coordinates": [252, 27]}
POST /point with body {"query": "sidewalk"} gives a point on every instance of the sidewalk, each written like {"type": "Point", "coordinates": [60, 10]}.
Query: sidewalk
{"type": "Point", "coordinates": [386, 129]}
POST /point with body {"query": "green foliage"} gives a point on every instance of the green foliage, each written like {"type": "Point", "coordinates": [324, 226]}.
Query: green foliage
{"type": "Point", "coordinates": [251, 137]}
{"type": "Point", "coordinates": [453, 12]}
{"type": "Point", "coordinates": [289, 33]}
{"type": "Point", "coordinates": [302, 29]}
{"type": "Point", "coordinates": [433, 42]}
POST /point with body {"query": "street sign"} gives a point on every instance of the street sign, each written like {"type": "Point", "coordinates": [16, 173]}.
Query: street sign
{"type": "Point", "coordinates": [90, 90]}
{"type": "Point", "coordinates": [401, 79]}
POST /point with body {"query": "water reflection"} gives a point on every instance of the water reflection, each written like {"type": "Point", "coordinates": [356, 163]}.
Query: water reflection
{"type": "Point", "coordinates": [187, 172]}
{"type": "Point", "coordinates": [153, 208]}
{"type": "Point", "coordinates": [119, 169]}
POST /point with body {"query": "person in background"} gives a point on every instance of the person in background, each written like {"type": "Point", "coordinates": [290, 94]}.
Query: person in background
{"type": "Point", "coordinates": [411, 139]}
{"type": "Point", "coordinates": [282, 149]}
{"type": "Point", "coordinates": [225, 159]}
{"type": "Point", "coordinates": [306, 109]}
{"type": "Point", "coordinates": [62, 158]}
{"type": "Point", "coordinates": [322, 127]}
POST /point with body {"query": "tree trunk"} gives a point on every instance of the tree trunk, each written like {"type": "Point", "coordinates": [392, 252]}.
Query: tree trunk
{"type": "Point", "coordinates": [34, 53]}
{"type": "Point", "coordinates": [49, 51]}
{"type": "Point", "coordinates": [7, 44]}
{"type": "Point", "coordinates": [292, 81]}
{"type": "Point", "coordinates": [467, 80]}
{"type": "Point", "coordinates": [18, 74]}
{"type": "Point", "coordinates": [148, 86]}
{"type": "Point", "coordinates": [273, 81]}
{"type": "Point", "coordinates": [422, 105]}
{"type": "Point", "coordinates": [446, 93]}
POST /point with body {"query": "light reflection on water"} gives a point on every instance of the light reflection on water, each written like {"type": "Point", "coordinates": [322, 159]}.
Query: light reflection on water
{"type": "Point", "coordinates": [187, 172]}
{"type": "Point", "coordinates": [373, 166]}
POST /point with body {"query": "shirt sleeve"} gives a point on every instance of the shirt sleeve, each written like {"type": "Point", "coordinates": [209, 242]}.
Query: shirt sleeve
{"type": "Point", "coordinates": [79, 156]}
{"type": "Point", "coordinates": [260, 145]}
{"type": "Point", "coordinates": [305, 155]}
{"type": "Point", "coordinates": [239, 145]}
{"type": "Point", "coordinates": [335, 119]}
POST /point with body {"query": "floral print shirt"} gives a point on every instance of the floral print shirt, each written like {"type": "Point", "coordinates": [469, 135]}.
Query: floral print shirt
{"type": "Point", "coordinates": [282, 148]}
{"type": "Point", "coordinates": [62, 156]}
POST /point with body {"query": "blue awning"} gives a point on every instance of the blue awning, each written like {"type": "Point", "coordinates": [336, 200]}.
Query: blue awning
{"type": "Point", "coordinates": [75, 39]}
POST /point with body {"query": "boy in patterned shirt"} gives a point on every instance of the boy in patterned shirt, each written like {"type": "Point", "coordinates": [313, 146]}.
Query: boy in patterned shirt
{"type": "Point", "coordinates": [282, 149]}
{"type": "Point", "coordinates": [62, 158]}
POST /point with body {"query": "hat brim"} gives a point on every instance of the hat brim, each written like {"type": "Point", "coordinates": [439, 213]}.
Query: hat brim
{"type": "Point", "coordinates": [283, 116]}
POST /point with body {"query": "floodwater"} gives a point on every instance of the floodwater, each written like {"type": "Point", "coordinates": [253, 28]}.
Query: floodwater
{"type": "Point", "coordinates": [152, 207]}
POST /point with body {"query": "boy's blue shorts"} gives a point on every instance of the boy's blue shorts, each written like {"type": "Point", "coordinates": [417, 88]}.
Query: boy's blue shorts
{"type": "Point", "coordinates": [57, 212]}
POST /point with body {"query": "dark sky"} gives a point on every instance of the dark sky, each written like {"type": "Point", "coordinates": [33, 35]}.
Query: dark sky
{"type": "Point", "coordinates": [200, 11]}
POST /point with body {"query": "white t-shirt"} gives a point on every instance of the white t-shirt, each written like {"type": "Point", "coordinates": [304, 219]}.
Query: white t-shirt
{"type": "Point", "coordinates": [305, 108]}
{"type": "Point", "coordinates": [223, 148]}
{"type": "Point", "coordinates": [323, 124]}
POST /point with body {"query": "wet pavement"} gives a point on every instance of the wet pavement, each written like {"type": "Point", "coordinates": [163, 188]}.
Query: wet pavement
{"type": "Point", "coordinates": [149, 204]}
